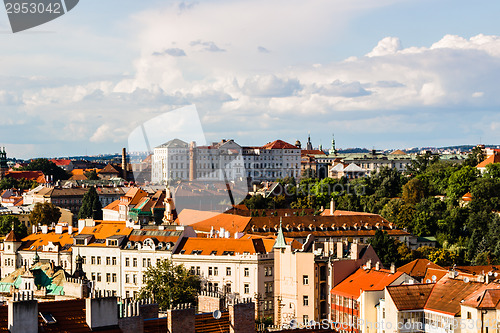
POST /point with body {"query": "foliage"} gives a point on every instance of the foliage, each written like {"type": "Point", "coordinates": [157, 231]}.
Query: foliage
{"type": "Point", "coordinates": [170, 284]}
{"type": "Point", "coordinates": [420, 164]}
{"type": "Point", "coordinates": [44, 213]}
{"type": "Point", "coordinates": [22, 184]}
{"type": "Point", "coordinates": [385, 247]}
{"type": "Point", "coordinates": [6, 222]}
{"type": "Point", "coordinates": [91, 175]}
{"type": "Point", "coordinates": [48, 168]}
{"type": "Point", "coordinates": [475, 157]}
{"type": "Point", "coordinates": [413, 191]}
{"type": "Point", "coordinates": [91, 206]}
{"type": "Point", "coordinates": [460, 181]}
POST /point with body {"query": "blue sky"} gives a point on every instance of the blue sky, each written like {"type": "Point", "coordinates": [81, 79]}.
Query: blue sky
{"type": "Point", "coordinates": [383, 74]}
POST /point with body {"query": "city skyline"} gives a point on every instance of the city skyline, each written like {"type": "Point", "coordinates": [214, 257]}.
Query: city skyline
{"type": "Point", "coordinates": [396, 74]}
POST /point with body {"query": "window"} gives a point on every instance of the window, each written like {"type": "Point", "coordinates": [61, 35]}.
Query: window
{"type": "Point", "coordinates": [108, 277]}
{"type": "Point", "coordinates": [469, 316]}
{"type": "Point", "coordinates": [149, 262]}
{"type": "Point", "coordinates": [98, 260]}
{"type": "Point", "coordinates": [247, 288]}
{"type": "Point", "coordinates": [210, 270]}
{"type": "Point", "coordinates": [98, 277]}
{"type": "Point", "coordinates": [305, 318]}
{"type": "Point", "coordinates": [108, 261]}
{"type": "Point", "coordinates": [198, 270]}
{"type": "Point", "coordinates": [127, 278]}
{"type": "Point", "coordinates": [268, 271]}
{"type": "Point", "coordinates": [305, 301]}
{"type": "Point", "coordinates": [135, 279]}
{"type": "Point", "coordinates": [127, 294]}
{"type": "Point", "coordinates": [134, 262]}
{"type": "Point", "coordinates": [144, 278]}
{"type": "Point", "coordinates": [268, 287]}
{"type": "Point", "coordinates": [84, 259]}
{"type": "Point", "coordinates": [143, 262]}
{"type": "Point", "coordinates": [92, 260]}
{"type": "Point", "coordinates": [246, 271]}
{"type": "Point", "coordinates": [93, 276]}
{"type": "Point", "coordinates": [114, 277]}
{"type": "Point", "coordinates": [114, 261]}
{"type": "Point", "coordinates": [158, 261]}
{"type": "Point", "coordinates": [228, 271]}
{"type": "Point", "coordinates": [305, 280]}
{"type": "Point", "coordinates": [127, 262]}
{"type": "Point", "coordinates": [216, 270]}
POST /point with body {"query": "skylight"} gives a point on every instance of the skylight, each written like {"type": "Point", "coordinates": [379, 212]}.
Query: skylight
{"type": "Point", "coordinates": [48, 317]}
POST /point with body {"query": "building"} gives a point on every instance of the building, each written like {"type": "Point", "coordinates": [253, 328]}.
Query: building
{"type": "Point", "coordinates": [354, 300]}
{"type": "Point", "coordinates": [225, 160]}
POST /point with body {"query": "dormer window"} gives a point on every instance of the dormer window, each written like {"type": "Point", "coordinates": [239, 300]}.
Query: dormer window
{"type": "Point", "coordinates": [112, 242]}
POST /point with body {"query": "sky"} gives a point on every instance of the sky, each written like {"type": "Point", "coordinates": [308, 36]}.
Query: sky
{"type": "Point", "coordinates": [381, 74]}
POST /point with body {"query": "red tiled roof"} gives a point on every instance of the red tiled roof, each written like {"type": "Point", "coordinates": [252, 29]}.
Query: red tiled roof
{"type": "Point", "coordinates": [231, 223]}
{"type": "Point", "coordinates": [495, 158]}
{"type": "Point", "coordinates": [11, 237]}
{"type": "Point", "coordinates": [109, 169]}
{"type": "Point", "coordinates": [487, 297]}
{"type": "Point", "coordinates": [482, 269]}
{"type": "Point", "coordinates": [365, 279]}
{"type": "Point", "coordinates": [312, 152]}
{"type": "Point", "coordinates": [208, 245]}
{"type": "Point", "coordinates": [61, 162]}
{"type": "Point", "coordinates": [37, 176]}
{"type": "Point", "coordinates": [410, 296]}
{"type": "Point", "coordinates": [113, 206]}
{"type": "Point", "coordinates": [418, 267]}
{"type": "Point", "coordinates": [279, 144]}
{"type": "Point", "coordinates": [447, 294]}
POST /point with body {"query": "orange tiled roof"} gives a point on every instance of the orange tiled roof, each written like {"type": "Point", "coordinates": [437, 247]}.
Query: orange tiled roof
{"type": "Point", "coordinates": [61, 162]}
{"type": "Point", "coordinates": [365, 279]}
{"type": "Point", "coordinates": [312, 152]}
{"type": "Point", "coordinates": [270, 239]}
{"type": "Point", "coordinates": [105, 229]}
{"type": "Point", "coordinates": [37, 176]}
{"type": "Point", "coordinates": [133, 196]}
{"type": "Point", "coordinates": [207, 246]}
{"type": "Point", "coordinates": [495, 158]}
{"type": "Point", "coordinates": [190, 216]}
{"type": "Point", "coordinates": [410, 296]}
{"type": "Point", "coordinates": [113, 206]}
{"type": "Point", "coordinates": [33, 242]}
{"type": "Point", "coordinates": [338, 212]}
{"type": "Point", "coordinates": [109, 169]}
{"type": "Point", "coordinates": [418, 267]}
{"type": "Point", "coordinates": [467, 197]}
{"type": "Point", "coordinates": [487, 297]}
{"type": "Point", "coordinates": [447, 294]}
{"type": "Point", "coordinates": [231, 223]}
{"type": "Point", "coordinates": [279, 144]}
{"type": "Point", "coordinates": [437, 272]}
{"type": "Point", "coordinates": [482, 269]}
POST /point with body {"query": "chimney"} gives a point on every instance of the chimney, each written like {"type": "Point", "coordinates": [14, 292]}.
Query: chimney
{"type": "Point", "coordinates": [192, 161]}
{"type": "Point", "coordinates": [377, 266]}
{"type": "Point", "coordinates": [45, 229]}
{"type": "Point", "coordinates": [340, 250]}
{"type": "Point", "coordinates": [124, 163]}
{"type": "Point", "coordinates": [332, 207]}
{"type": "Point", "coordinates": [70, 229]}
{"type": "Point", "coordinates": [368, 264]}
{"type": "Point", "coordinates": [59, 229]}
{"type": "Point", "coordinates": [22, 313]}
{"type": "Point", "coordinates": [393, 268]}
{"type": "Point", "coordinates": [101, 311]}
{"type": "Point", "coordinates": [242, 317]}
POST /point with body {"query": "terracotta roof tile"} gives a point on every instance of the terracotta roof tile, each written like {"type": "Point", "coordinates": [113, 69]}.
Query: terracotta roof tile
{"type": "Point", "coordinates": [37, 176]}
{"type": "Point", "coordinates": [11, 237]}
{"type": "Point", "coordinates": [105, 229]}
{"type": "Point", "coordinates": [219, 246]}
{"type": "Point", "coordinates": [113, 206]}
{"type": "Point", "coordinates": [448, 293]}
{"type": "Point", "coordinates": [231, 223]}
{"type": "Point", "coordinates": [279, 144]}
{"type": "Point", "coordinates": [410, 296]}
{"type": "Point", "coordinates": [365, 279]}
{"type": "Point", "coordinates": [32, 242]}
{"type": "Point", "coordinates": [495, 158]}
{"type": "Point", "coordinates": [418, 267]}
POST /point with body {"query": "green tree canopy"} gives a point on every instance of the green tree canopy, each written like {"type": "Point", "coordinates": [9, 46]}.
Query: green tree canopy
{"type": "Point", "coordinates": [385, 247]}
{"type": "Point", "coordinates": [414, 191]}
{"type": "Point", "coordinates": [170, 284]}
{"type": "Point", "coordinates": [475, 157]}
{"type": "Point", "coordinates": [91, 175]}
{"type": "Point", "coordinates": [48, 168]}
{"type": "Point", "coordinates": [44, 213]}
{"type": "Point", "coordinates": [460, 181]}
{"type": "Point", "coordinates": [22, 184]}
{"type": "Point", "coordinates": [91, 206]}
{"type": "Point", "coordinates": [420, 164]}
{"type": "Point", "coordinates": [6, 222]}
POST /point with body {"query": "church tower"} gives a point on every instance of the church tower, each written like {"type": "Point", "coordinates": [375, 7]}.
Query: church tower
{"type": "Point", "coordinates": [309, 145]}
{"type": "Point", "coordinates": [170, 213]}
{"type": "Point", "coordinates": [333, 151]}
{"type": "Point", "coordinates": [3, 163]}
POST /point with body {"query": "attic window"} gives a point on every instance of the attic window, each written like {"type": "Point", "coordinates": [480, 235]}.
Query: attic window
{"type": "Point", "coordinates": [118, 230]}
{"type": "Point", "coordinates": [48, 318]}
{"type": "Point", "coordinates": [60, 237]}
{"type": "Point", "coordinates": [183, 251]}
{"type": "Point", "coordinates": [95, 229]}
{"type": "Point", "coordinates": [213, 252]}
{"type": "Point", "coordinates": [196, 252]}
{"type": "Point", "coordinates": [228, 253]}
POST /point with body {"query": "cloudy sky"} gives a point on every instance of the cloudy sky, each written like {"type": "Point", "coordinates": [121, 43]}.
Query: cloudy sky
{"type": "Point", "coordinates": [383, 74]}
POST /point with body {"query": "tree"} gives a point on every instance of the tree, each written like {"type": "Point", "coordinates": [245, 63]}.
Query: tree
{"type": "Point", "coordinates": [420, 164]}
{"type": "Point", "coordinates": [48, 168]}
{"type": "Point", "coordinates": [91, 175]}
{"type": "Point", "coordinates": [6, 222]}
{"type": "Point", "coordinates": [22, 184]}
{"type": "Point", "coordinates": [44, 213]}
{"type": "Point", "coordinates": [492, 171]}
{"type": "Point", "coordinates": [385, 247]}
{"type": "Point", "coordinates": [91, 206]}
{"type": "Point", "coordinates": [460, 181]}
{"type": "Point", "coordinates": [414, 191]}
{"type": "Point", "coordinates": [475, 157]}
{"type": "Point", "coordinates": [170, 284]}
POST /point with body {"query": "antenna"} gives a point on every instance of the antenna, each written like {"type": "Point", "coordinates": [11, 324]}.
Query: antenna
{"type": "Point", "coordinates": [217, 314]}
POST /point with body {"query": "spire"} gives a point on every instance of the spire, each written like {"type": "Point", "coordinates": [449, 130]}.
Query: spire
{"type": "Point", "coordinates": [280, 240]}
{"type": "Point", "coordinates": [333, 150]}
{"type": "Point", "coordinates": [36, 258]}
{"type": "Point", "coordinates": [309, 144]}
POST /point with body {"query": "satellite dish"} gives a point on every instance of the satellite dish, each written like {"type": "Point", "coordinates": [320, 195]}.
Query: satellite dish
{"type": "Point", "coordinates": [428, 281]}
{"type": "Point", "coordinates": [312, 323]}
{"type": "Point", "coordinates": [490, 273]}
{"type": "Point", "coordinates": [217, 314]}
{"type": "Point", "coordinates": [434, 278]}
{"type": "Point", "coordinates": [466, 279]}
{"type": "Point", "coordinates": [455, 273]}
